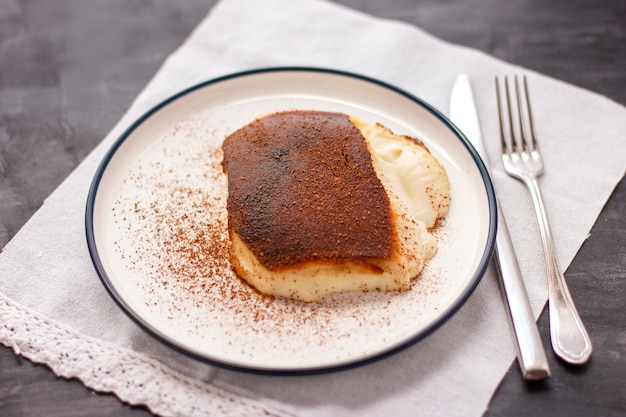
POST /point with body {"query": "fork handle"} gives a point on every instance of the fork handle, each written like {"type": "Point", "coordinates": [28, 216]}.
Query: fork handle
{"type": "Point", "coordinates": [570, 340]}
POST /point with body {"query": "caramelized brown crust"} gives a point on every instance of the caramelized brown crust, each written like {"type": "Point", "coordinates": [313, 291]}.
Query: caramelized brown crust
{"type": "Point", "coordinates": [302, 188]}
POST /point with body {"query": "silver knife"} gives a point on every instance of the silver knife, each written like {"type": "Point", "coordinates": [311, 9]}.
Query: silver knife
{"type": "Point", "coordinates": [530, 353]}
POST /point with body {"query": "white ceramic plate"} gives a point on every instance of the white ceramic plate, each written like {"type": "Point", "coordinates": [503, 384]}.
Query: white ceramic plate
{"type": "Point", "coordinates": [156, 229]}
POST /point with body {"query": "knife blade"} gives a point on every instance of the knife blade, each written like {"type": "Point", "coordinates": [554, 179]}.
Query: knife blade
{"type": "Point", "coordinates": [530, 352]}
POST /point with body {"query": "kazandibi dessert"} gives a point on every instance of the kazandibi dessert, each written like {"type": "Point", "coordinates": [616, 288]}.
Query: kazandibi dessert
{"type": "Point", "coordinates": [323, 202]}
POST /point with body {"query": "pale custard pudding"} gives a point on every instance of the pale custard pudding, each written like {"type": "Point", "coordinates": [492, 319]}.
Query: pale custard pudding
{"type": "Point", "coordinates": [322, 202]}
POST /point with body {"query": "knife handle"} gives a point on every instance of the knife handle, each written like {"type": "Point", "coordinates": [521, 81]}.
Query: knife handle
{"type": "Point", "coordinates": [530, 353]}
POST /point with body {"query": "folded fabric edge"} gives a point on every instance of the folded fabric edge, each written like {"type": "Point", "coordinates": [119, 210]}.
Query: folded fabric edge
{"type": "Point", "coordinates": [132, 377]}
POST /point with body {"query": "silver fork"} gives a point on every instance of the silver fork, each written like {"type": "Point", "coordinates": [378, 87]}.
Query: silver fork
{"type": "Point", "coordinates": [522, 160]}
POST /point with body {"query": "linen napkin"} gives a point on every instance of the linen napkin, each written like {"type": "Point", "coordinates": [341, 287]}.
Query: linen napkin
{"type": "Point", "coordinates": [54, 310]}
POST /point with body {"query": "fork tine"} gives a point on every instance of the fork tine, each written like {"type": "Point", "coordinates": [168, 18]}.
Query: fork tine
{"type": "Point", "coordinates": [503, 141]}
{"type": "Point", "coordinates": [520, 118]}
{"type": "Point", "coordinates": [514, 142]}
{"type": "Point", "coordinates": [531, 122]}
